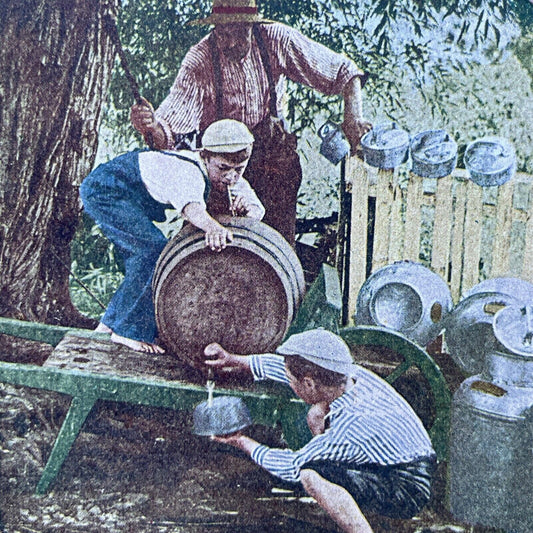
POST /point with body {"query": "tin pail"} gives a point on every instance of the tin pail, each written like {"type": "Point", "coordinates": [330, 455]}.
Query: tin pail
{"type": "Point", "coordinates": [469, 333]}
{"type": "Point", "coordinates": [334, 145]}
{"type": "Point", "coordinates": [221, 416]}
{"type": "Point", "coordinates": [406, 297]}
{"type": "Point", "coordinates": [433, 154]}
{"type": "Point", "coordinates": [385, 146]}
{"type": "Point", "coordinates": [490, 161]}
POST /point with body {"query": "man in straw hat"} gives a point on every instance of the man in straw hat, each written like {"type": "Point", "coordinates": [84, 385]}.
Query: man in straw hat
{"type": "Point", "coordinates": [239, 71]}
{"type": "Point", "coordinates": [125, 195]}
{"type": "Point", "coordinates": [370, 451]}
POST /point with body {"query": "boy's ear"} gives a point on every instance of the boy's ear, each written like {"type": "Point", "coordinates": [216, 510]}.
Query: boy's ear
{"type": "Point", "coordinates": [309, 382]}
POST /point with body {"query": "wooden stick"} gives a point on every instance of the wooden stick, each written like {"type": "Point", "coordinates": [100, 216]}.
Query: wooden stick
{"type": "Point", "coordinates": [230, 196]}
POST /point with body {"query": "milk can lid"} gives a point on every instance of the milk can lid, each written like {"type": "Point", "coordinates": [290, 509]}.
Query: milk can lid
{"type": "Point", "coordinates": [513, 327]}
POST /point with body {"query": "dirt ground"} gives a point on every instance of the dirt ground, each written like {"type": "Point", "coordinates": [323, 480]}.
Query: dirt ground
{"type": "Point", "coordinates": [139, 469]}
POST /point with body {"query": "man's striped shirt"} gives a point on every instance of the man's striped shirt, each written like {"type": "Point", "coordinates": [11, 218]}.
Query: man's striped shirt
{"type": "Point", "coordinates": [369, 424]}
{"type": "Point", "coordinates": [191, 107]}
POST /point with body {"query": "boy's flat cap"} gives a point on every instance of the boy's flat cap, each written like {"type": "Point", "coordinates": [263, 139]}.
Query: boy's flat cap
{"type": "Point", "coordinates": [226, 136]}
{"type": "Point", "coordinates": [321, 347]}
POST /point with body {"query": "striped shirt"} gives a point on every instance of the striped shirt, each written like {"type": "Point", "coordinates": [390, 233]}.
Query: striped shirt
{"type": "Point", "coordinates": [369, 424]}
{"type": "Point", "coordinates": [191, 107]}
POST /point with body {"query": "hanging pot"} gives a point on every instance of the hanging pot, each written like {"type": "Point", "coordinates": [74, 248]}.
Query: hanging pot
{"type": "Point", "coordinates": [334, 145]}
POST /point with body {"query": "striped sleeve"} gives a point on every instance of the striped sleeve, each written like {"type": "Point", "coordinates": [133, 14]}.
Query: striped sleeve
{"type": "Point", "coordinates": [268, 366]}
{"type": "Point", "coordinates": [305, 61]}
{"type": "Point", "coordinates": [331, 445]}
{"type": "Point", "coordinates": [182, 110]}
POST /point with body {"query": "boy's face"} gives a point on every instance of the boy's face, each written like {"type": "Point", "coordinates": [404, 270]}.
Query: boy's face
{"type": "Point", "coordinates": [224, 170]}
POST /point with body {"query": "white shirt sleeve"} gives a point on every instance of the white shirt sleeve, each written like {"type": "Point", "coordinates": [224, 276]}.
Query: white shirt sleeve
{"type": "Point", "coordinates": [243, 188]}
{"type": "Point", "coordinates": [171, 180]}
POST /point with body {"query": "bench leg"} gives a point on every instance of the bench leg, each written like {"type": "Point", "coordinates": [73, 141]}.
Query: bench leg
{"type": "Point", "coordinates": [77, 413]}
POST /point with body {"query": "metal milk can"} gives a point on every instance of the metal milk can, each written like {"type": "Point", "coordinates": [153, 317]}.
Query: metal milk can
{"type": "Point", "coordinates": [334, 145]}
{"type": "Point", "coordinates": [407, 297]}
{"type": "Point", "coordinates": [491, 441]}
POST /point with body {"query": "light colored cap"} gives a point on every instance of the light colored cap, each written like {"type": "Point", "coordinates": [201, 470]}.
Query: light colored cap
{"type": "Point", "coordinates": [321, 347]}
{"type": "Point", "coordinates": [226, 136]}
{"type": "Point", "coordinates": [232, 11]}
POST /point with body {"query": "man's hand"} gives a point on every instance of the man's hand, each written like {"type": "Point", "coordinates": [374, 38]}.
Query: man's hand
{"type": "Point", "coordinates": [143, 119]}
{"type": "Point", "coordinates": [218, 358]}
{"type": "Point", "coordinates": [354, 129]}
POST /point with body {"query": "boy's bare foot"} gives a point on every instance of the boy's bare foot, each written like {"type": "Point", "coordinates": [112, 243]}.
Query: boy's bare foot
{"type": "Point", "coordinates": [102, 328]}
{"type": "Point", "coordinates": [138, 346]}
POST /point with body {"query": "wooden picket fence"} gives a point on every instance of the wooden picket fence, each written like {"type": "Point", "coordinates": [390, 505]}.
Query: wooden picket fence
{"type": "Point", "coordinates": [463, 232]}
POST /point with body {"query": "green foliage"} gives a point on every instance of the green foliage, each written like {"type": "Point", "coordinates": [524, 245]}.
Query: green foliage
{"type": "Point", "coordinates": [96, 266]}
{"type": "Point", "coordinates": [428, 39]}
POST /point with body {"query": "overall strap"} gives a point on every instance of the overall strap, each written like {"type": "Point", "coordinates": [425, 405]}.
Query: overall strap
{"type": "Point", "coordinates": [217, 72]}
{"type": "Point", "coordinates": [268, 69]}
{"type": "Point", "coordinates": [199, 167]}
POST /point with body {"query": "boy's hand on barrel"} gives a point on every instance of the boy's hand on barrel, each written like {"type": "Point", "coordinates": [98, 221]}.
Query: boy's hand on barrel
{"type": "Point", "coordinates": [218, 237]}
{"type": "Point", "coordinates": [218, 358]}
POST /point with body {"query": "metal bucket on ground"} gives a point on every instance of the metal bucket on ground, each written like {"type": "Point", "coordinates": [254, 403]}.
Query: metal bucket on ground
{"type": "Point", "coordinates": [244, 297]}
{"type": "Point", "coordinates": [385, 146]}
{"type": "Point", "coordinates": [491, 438]}
{"type": "Point", "coordinates": [406, 297]}
{"type": "Point", "coordinates": [469, 334]}
{"type": "Point", "coordinates": [433, 154]}
{"type": "Point", "coordinates": [490, 161]}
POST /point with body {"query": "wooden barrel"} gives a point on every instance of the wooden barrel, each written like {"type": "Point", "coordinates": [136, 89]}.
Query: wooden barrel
{"type": "Point", "coordinates": [244, 297]}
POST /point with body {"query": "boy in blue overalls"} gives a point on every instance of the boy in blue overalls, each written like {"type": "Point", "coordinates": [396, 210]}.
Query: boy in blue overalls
{"type": "Point", "coordinates": [127, 194]}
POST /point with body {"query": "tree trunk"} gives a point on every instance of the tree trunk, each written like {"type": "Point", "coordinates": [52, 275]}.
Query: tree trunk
{"type": "Point", "coordinates": [55, 68]}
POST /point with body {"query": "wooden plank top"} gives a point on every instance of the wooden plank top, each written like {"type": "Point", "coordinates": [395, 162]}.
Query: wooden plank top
{"type": "Point", "coordinates": [109, 358]}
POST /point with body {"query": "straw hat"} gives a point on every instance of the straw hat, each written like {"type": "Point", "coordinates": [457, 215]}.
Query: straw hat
{"type": "Point", "coordinates": [231, 11]}
{"type": "Point", "coordinates": [321, 347]}
{"type": "Point", "coordinates": [226, 136]}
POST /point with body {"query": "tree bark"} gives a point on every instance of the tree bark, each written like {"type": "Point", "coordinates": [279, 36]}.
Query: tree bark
{"type": "Point", "coordinates": [55, 67]}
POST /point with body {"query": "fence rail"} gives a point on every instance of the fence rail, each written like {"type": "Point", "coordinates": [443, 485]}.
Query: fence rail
{"type": "Point", "coordinates": [463, 232]}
